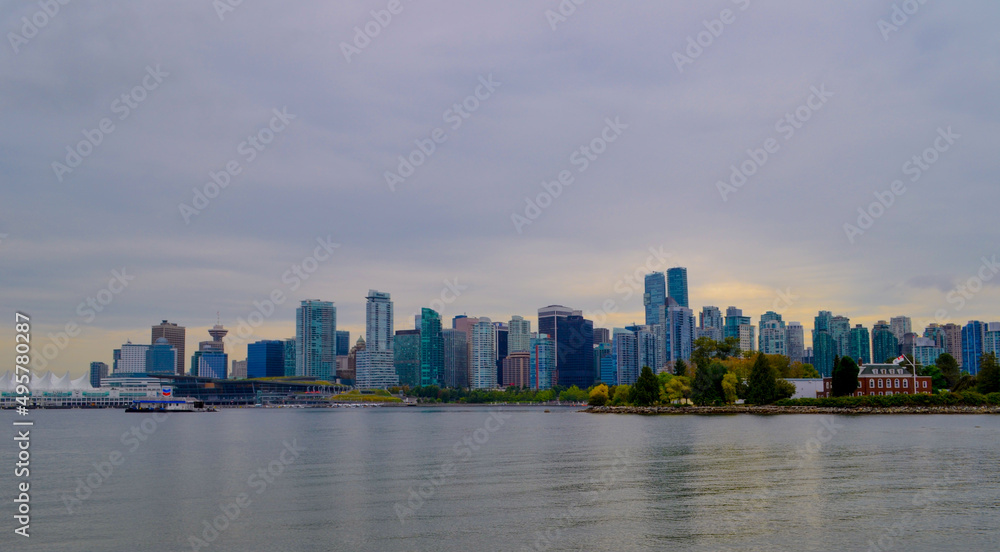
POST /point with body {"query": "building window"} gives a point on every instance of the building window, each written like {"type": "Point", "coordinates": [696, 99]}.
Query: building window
{"type": "Point", "coordinates": [925, 385]}
{"type": "Point", "coordinates": [906, 384]}
{"type": "Point", "coordinates": [880, 384]}
{"type": "Point", "coordinates": [896, 385]}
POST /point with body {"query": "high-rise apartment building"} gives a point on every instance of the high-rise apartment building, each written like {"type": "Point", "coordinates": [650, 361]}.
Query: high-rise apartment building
{"type": "Point", "coordinates": [885, 346]}
{"type": "Point", "coordinates": [543, 360]}
{"type": "Point", "coordinates": [316, 339]}
{"type": "Point", "coordinates": [238, 369]}
{"type": "Point", "coordinates": [406, 357]}
{"type": "Point", "coordinates": [431, 348]}
{"type": "Point", "coordinates": [840, 328]}
{"type": "Point", "coordinates": [131, 359]}
{"type": "Point", "coordinates": [953, 337]}
{"type": "Point", "coordinates": [98, 371]}
{"type": "Point", "coordinates": [677, 285]}
{"type": "Point", "coordinates": [601, 335]}
{"type": "Point", "coordinates": [375, 364]}
{"type": "Point", "coordinates": [824, 346]}
{"type": "Point", "coordinates": [625, 346]}
{"type": "Point", "coordinates": [456, 358]}
{"type": "Point", "coordinates": [518, 335]}
{"type": "Point", "coordinates": [175, 336]}
{"type": "Point", "coordinates": [772, 334]}
{"type": "Point", "coordinates": [654, 297]}
{"type": "Point", "coordinates": [710, 323]}
{"type": "Point", "coordinates": [484, 353]}
{"type": "Point", "coordinates": [739, 326]}
{"type": "Point", "coordinates": [516, 369]}
{"type": "Point", "coordinates": [859, 345]}
{"type": "Point", "coordinates": [973, 339]}
{"type": "Point", "coordinates": [795, 342]}
{"type": "Point", "coordinates": [290, 359]}
{"type": "Point", "coordinates": [343, 342]}
{"type": "Point", "coordinates": [900, 326]}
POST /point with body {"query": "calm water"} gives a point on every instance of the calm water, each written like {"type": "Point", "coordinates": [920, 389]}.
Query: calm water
{"type": "Point", "coordinates": [538, 481]}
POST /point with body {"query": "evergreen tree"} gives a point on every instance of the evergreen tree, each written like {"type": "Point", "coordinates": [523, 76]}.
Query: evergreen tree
{"type": "Point", "coordinates": [707, 386]}
{"type": "Point", "coordinates": [762, 384]}
{"type": "Point", "coordinates": [845, 377]}
{"type": "Point", "coordinates": [988, 379]}
{"type": "Point", "coordinates": [949, 369]}
{"type": "Point", "coordinates": [680, 368]}
{"type": "Point", "coordinates": [646, 390]}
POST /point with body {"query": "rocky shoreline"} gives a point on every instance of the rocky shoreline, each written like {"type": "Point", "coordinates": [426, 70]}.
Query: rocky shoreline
{"type": "Point", "coordinates": [741, 409]}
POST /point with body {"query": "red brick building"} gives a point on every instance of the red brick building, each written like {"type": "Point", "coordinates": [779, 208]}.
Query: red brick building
{"type": "Point", "coordinates": [884, 379]}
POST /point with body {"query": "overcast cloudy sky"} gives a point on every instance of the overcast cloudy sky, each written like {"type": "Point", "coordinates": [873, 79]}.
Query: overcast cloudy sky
{"type": "Point", "coordinates": [680, 115]}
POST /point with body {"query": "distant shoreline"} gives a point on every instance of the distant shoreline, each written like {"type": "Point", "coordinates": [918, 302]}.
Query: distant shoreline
{"type": "Point", "coordinates": [774, 410]}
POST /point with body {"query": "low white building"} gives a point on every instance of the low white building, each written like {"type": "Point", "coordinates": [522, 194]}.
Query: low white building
{"type": "Point", "coordinates": [51, 391]}
{"type": "Point", "coordinates": [806, 388]}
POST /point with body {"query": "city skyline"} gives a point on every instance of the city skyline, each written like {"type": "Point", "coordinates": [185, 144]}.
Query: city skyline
{"type": "Point", "coordinates": [141, 229]}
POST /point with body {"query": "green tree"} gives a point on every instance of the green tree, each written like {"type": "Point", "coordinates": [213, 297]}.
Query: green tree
{"type": "Point", "coordinates": [573, 394]}
{"type": "Point", "coordinates": [938, 381]}
{"type": "Point", "coordinates": [845, 377]}
{"type": "Point", "coordinates": [677, 389]}
{"type": "Point", "coordinates": [784, 389]}
{"type": "Point", "coordinates": [646, 390]}
{"type": "Point", "coordinates": [988, 379]}
{"type": "Point", "coordinates": [761, 385]}
{"type": "Point", "coordinates": [621, 395]}
{"type": "Point", "coordinates": [707, 386]}
{"type": "Point", "coordinates": [598, 395]}
{"type": "Point", "coordinates": [680, 368]}
{"type": "Point", "coordinates": [949, 369]}
{"type": "Point", "coordinates": [729, 384]}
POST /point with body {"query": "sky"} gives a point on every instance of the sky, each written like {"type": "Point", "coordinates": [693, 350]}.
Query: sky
{"type": "Point", "coordinates": [490, 158]}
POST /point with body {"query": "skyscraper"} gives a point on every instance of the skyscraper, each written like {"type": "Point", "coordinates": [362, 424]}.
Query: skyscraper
{"type": "Point", "coordinates": [677, 283]}
{"type": "Point", "coordinates": [795, 342]}
{"type": "Point", "coordinates": [465, 324]}
{"type": "Point", "coordinates": [543, 359]}
{"type": "Point", "coordinates": [266, 359]}
{"type": "Point", "coordinates": [573, 336]}
{"type": "Point", "coordinates": [516, 369]}
{"type": "Point", "coordinates": [484, 365]}
{"type": "Point", "coordinates": [773, 340]}
{"type": "Point", "coordinates": [991, 338]}
{"type": "Point", "coordinates": [840, 328]}
{"type": "Point", "coordinates": [900, 326]}
{"type": "Point", "coordinates": [680, 333]}
{"type": "Point", "coordinates": [625, 348]}
{"type": "Point", "coordinates": [352, 360]}
{"type": "Point", "coordinates": [456, 358]}
{"type": "Point", "coordinates": [161, 358]}
{"type": "Point", "coordinates": [375, 363]}
{"type": "Point", "coordinates": [859, 346]}
{"type": "Point", "coordinates": [290, 359]}
{"type": "Point", "coordinates": [343, 342]}
{"type": "Point", "coordinates": [216, 346]}
{"type": "Point", "coordinates": [98, 371]}
{"type": "Point", "coordinates": [406, 357]}
{"type": "Point", "coordinates": [431, 348]}
{"type": "Point", "coordinates": [238, 369]}
{"type": "Point", "coordinates": [212, 364]}
{"type": "Point", "coordinates": [518, 335]}
{"type": "Point", "coordinates": [501, 333]}
{"type": "Point", "coordinates": [174, 335]}
{"type": "Point", "coordinates": [654, 297]}
{"type": "Point", "coordinates": [316, 339]}
{"type": "Point", "coordinates": [973, 338]}
{"type": "Point", "coordinates": [885, 346]}
{"type": "Point", "coordinates": [953, 336]}
{"type": "Point", "coordinates": [710, 323]}
{"type": "Point", "coordinates": [601, 335]}
{"type": "Point", "coordinates": [739, 326]}
{"type": "Point", "coordinates": [824, 346]}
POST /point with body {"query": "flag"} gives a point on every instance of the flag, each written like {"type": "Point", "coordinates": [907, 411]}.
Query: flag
{"type": "Point", "coordinates": [899, 359]}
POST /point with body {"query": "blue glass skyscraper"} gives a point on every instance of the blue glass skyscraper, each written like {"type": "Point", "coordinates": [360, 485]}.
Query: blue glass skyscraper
{"type": "Point", "coordinates": [266, 359]}
{"type": "Point", "coordinates": [973, 335]}
{"type": "Point", "coordinates": [654, 297]}
{"type": "Point", "coordinates": [677, 284]}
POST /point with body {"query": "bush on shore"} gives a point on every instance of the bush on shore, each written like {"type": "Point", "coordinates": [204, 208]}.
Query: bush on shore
{"type": "Point", "coordinates": [965, 398]}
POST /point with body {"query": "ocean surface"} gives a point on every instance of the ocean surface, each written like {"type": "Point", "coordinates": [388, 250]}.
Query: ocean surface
{"type": "Point", "coordinates": [505, 478]}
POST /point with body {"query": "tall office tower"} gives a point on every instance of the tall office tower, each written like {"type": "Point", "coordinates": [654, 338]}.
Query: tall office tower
{"type": "Point", "coordinates": [885, 346]}
{"type": "Point", "coordinates": [238, 369]}
{"type": "Point", "coordinates": [212, 364]}
{"type": "Point", "coordinates": [573, 336]}
{"type": "Point", "coordinates": [860, 345]}
{"type": "Point", "coordinates": [807, 356]}
{"type": "Point", "coordinates": [907, 344]}
{"type": "Point", "coordinates": [431, 348]}
{"type": "Point", "coordinates": [518, 335]}
{"type": "Point", "coordinates": [174, 335]}
{"type": "Point", "coordinates": [654, 297]}
{"type": "Point", "coordinates": [352, 359]}
{"type": "Point", "coordinates": [501, 333]}
{"type": "Point", "coordinates": [840, 328]}
{"type": "Point", "coordinates": [484, 353]}
{"type": "Point", "coordinates": [456, 358]}
{"type": "Point", "coordinates": [289, 351]}
{"type": "Point", "coordinates": [98, 371]}
{"type": "Point", "coordinates": [991, 339]}
{"type": "Point", "coordinates": [265, 359]}
{"type": "Point", "coordinates": [710, 323]}
{"type": "Point", "coordinates": [625, 346]}
{"type": "Point", "coordinates": [900, 326]}
{"type": "Point", "coordinates": [316, 339]}
{"type": "Point", "coordinates": [375, 363]}
{"type": "Point", "coordinates": [773, 340]}
{"type": "Point", "coordinates": [824, 346]}
{"type": "Point", "coordinates": [132, 359]}
{"type": "Point", "coordinates": [973, 336]}
{"type": "Point", "coordinates": [601, 335]}
{"type": "Point", "coordinates": [645, 347]}
{"type": "Point", "coordinates": [953, 337]}
{"type": "Point", "coordinates": [406, 357]}
{"type": "Point", "coordinates": [161, 358]}
{"type": "Point", "coordinates": [936, 333]}
{"type": "Point", "coordinates": [795, 342]}
{"type": "Point", "coordinates": [677, 285]}
{"type": "Point", "coordinates": [343, 342]}
{"type": "Point", "coordinates": [543, 362]}
{"type": "Point", "coordinates": [116, 359]}
{"type": "Point", "coordinates": [465, 324]}
{"type": "Point", "coordinates": [215, 345]}
{"type": "Point", "coordinates": [601, 351]}
{"type": "Point", "coordinates": [516, 371]}
{"type": "Point", "coordinates": [609, 367]}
